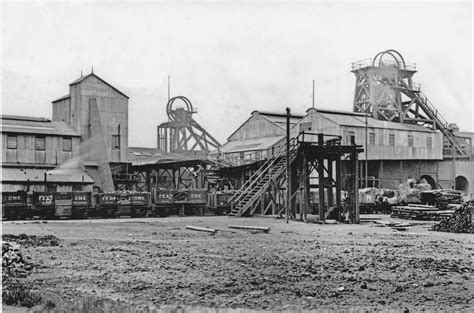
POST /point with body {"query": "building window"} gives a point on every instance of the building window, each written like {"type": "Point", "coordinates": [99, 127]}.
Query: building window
{"type": "Point", "coordinates": [391, 139]}
{"type": "Point", "coordinates": [372, 138]}
{"type": "Point", "coordinates": [51, 188]}
{"type": "Point", "coordinates": [116, 141]}
{"type": "Point", "coordinates": [349, 136]}
{"type": "Point", "coordinates": [429, 142]}
{"type": "Point", "coordinates": [67, 144]}
{"type": "Point", "coordinates": [410, 140]}
{"type": "Point", "coordinates": [11, 142]}
{"type": "Point", "coordinates": [39, 143]}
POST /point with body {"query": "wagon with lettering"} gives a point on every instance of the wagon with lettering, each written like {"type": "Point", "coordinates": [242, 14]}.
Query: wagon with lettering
{"type": "Point", "coordinates": [15, 205]}
{"type": "Point", "coordinates": [82, 204]}
{"type": "Point", "coordinates": [123, 203]}
{"type": "Point", "coordinates": [196, 202]}
{"type": "Point", "coordinates": [44, 204]}
{"type": "Point", "coordinates": [140, 204]}
{"type": "Point", "coordinates": [163, 202]}
{"type": "Point", "coordinates": [106, 205]}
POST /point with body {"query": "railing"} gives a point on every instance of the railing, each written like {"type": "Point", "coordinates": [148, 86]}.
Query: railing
{"type": "Point", "coordinates": [370, 62]}
{"type": "Point", "coordinates": [454, 141]}
{"type": "Point", "coordinates": [262, 171]}
{"type": "Point", "coordinates": [336, 139]}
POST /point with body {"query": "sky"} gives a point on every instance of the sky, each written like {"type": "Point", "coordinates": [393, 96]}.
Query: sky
{"type": "Point", "coordinates": [230, 58]}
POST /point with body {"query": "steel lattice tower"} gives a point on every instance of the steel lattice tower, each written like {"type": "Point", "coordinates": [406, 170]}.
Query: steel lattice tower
{"type": "Point", "coordinates": [385, 90]}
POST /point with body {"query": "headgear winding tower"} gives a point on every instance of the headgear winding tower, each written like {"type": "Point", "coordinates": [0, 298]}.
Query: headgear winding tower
{"type": "Point", "coordinates": [385, 90]}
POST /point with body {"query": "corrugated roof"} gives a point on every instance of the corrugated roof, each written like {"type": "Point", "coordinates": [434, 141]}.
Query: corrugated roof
{"type": "Point", "coordinates": [37, 175]}
{"type": "Point", "coordinates": [280, 119]}
{"type": "Point", "coordinates": [81, 79]}
{"type": "Point", "coordinates": [250, 144]}
{"type": "Point", "coordinates": [168, 158]}
{"type": "Point", "coordinates": [141, 153]}
{"type": "Point", "coordinates": [62, 98]}
{"type": "Point", "coordinates": [357, 120]}
{"type": "Point", "coordinates": [33, 125]}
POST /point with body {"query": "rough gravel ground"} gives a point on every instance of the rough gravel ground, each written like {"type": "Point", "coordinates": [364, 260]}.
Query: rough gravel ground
{"type": "Point", "coordinates": [297, 266]}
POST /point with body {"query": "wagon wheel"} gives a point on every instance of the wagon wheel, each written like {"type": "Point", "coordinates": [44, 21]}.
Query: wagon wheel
{"type": "Point", "coordinates": [139, 212]}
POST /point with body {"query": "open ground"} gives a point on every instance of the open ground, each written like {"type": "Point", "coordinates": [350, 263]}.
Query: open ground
{"type": "Point", "coordinates": [154, 262]}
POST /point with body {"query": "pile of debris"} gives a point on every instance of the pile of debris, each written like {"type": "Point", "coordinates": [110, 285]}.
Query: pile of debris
{"type": "Point", "coordinates": [32, 241]}
{"type": "Point", "coordinates": [441, 198]}
{"type": "Point", "coordinates": [460, 221]}
{"type": "Point", "coordinates": [13, 263]}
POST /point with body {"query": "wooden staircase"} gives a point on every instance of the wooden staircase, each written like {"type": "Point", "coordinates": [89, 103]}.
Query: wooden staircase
{"type": "Point", "coordinates": [245, 200]}
{"type": "Point", "coordinates": [453, 141]}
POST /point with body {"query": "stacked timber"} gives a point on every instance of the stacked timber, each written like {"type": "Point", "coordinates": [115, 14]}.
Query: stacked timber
{"type": "Point", "coordinates": [420, 212]}
{"type": "Point", "coordinates": [460, 221]}
{"type": "Point", "coordinates": [441, 198]}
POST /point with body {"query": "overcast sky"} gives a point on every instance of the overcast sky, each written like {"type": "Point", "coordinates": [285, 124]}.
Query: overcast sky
{"type": "Point", "coordinates": [230, 58]}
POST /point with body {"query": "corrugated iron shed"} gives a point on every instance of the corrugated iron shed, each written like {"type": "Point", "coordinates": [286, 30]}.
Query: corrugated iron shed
{"type": "Point", "coordinates": [37, 175]}
{"type": "Point", "coordinates": [35, 125]}
{"type": "Point", "coordinates": [250, 144]}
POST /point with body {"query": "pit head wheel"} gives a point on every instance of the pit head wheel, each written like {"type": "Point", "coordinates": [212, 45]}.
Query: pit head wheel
{"type": "Point", "coordinates": [177, 113]}
{"type": "Point", "coordinates": [389, 58]}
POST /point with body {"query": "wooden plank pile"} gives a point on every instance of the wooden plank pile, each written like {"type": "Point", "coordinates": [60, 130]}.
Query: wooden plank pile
{"type": "Point", "coordinates": [420, 212]}
{"type": "Point", "coordinates": [460, 221]}
{"type": "Point", "coordinates": [441, 198]}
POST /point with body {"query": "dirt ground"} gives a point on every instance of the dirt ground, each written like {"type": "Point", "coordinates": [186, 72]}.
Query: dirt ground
{"type": "Point", "coordinates": [152, 262]}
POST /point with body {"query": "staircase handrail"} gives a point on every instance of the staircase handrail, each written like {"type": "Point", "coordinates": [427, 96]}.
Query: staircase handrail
{"type": "Point", "coordinates": [255, 178]}
{"type": "Point", "coordinates": [441, 122]}
{"type": "Point", "coordinates": [265, 185]}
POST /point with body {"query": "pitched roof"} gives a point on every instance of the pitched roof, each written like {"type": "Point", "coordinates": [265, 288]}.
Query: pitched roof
{"type": "Point", "coordinates": [81, 79]}
{"type": "Point", "coordinates": [279, 119]}
{"type": "Point", "coordinates": [37, 175]}
{"type": "Point", "coordinates": [35, 125]}
{"type": "Point", "coordinates": [250, 144]}
{"type": "Point", "coordinates": [62, 98]}
{"type": "Point", "coordinates": [358, 120]}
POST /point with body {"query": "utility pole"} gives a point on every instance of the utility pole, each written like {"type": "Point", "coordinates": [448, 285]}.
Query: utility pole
{"type": "Point", "coordinates": [288, 172]}
{"type": "Point", "coordinates": [366, 161]}
{"type": "Point", "coordinates": [313, 93]}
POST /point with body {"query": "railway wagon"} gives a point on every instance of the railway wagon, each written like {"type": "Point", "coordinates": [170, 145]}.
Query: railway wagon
{"type": "Point", "coordinates": [218, 202]}
{"type": "Point", "coordinates": [113, 204]}
{"type": "Point", "coordinates": [179, 202]}
{"type": "Point", "coordinates": [73, 204]}
{"type": "Point", "coordinates": [163, 200]}
{"type": "Point", "coordinates": [197, 202]}
{"type": "Point", "coordinates": [15, 205]}
{"type": "Point", "coordinates": [44, 205]}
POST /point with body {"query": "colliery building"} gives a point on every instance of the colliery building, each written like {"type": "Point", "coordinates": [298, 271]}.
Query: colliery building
{"type": "Point", "coordinates": [33, 148]}
{"type": "Point", "coordinates": [84, 145]}
{"type": "Point", "coordinates": [399, 131]}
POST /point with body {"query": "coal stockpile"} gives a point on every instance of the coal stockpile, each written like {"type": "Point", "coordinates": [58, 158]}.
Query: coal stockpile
{"type": "Point", "coordinates": [441, 198]}
{"type": "Point", "coordinates": [32, 241]}
{"type": "Point", "coordinates": [460, 221]}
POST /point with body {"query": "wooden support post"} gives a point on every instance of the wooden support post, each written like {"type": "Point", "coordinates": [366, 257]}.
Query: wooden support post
{"type": "Point", "coordinates": [148, 182]}
{"type": "Point", "coordinates": [329, 187]}
{"type": "Point", "coordinates": [338, 182]}
{"type": "Point", "coordinates": [355, 168]}
{"type": "Point", "coordinates": [321, 180]}
{"type": "Point", "coordinates": [306, 191]}
{"type": "Point", "coordinates": [288, 169]}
